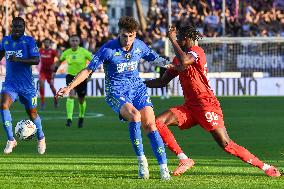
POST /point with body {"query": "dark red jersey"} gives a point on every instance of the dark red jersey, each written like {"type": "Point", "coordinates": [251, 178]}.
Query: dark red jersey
{"type": "Point", "coordinates": [194, 81]}
{"type": "Point", "coordinates": [47, 59]}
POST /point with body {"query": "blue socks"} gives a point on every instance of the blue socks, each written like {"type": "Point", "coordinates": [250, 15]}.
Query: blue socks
{"type": "Point", "coordinates": [136, 138]}
{"type": "Point", "coordinates": [7, 123]}
{"type": "Point", "coordinates": [158, 147]}
{"type": "Point", "coordinates": [37, 122]}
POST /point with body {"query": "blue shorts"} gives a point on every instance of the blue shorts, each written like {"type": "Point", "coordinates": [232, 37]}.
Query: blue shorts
{"type": "Point", "coordinates": [28, 98]}
{"type": "Point", "coordinates": [139, 98]}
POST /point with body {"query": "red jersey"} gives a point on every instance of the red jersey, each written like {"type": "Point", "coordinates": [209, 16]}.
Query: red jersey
{"type": "Point", "coordinates": [47, 59]}
{"type": "Point", "coordinates": [194, 80]}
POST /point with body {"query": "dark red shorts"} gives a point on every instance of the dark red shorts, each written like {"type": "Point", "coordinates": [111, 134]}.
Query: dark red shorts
{"type": "Point", "coordinates": [46, 76]}
{"type": "Point", "coordinates": [209, 118]}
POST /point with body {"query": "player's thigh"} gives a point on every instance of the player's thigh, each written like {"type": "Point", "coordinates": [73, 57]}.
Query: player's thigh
{"type": "Point", "coordinates": [28, 100]}
{"type": "Point", "coordinates": [141, 99]}
{"type": "Point", "coordinates": [130, 113]}
{"type": "Point", "coordinates": [184, 116]}
{"type": "Point", "coordinates": [168, 118]}
{"type": "Point", "coordinates": [148, 119]}
{"type": "Point", "coordinates": [7, 98]}
{"type": "Point", "coordinates": [209, 118]}
{"type": "Point", "coordinates": [116, 102]}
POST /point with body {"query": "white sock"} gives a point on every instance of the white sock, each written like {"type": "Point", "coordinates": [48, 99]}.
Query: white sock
{"type": "Point", "coordinates": [163, 167]}
{"type": "Point", "coordinates": [182, 156]}
{"type": "Point", "coordinates": [140, 158]}
{"type": "Point", "coordinates": [265, 167]}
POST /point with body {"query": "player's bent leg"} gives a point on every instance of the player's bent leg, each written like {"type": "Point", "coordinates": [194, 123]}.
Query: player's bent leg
{"type": "Point", "coordinates": [222, 138]}
{"type": "Point", "coordinates": [130, 113]}
{"type": "Point", "coordinates": [148, 123]}
{"type": "Point", "coordinates": [162, 122]}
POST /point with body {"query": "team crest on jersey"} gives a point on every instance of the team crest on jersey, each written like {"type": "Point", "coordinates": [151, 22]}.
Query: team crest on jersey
{"type": "Point", "coordinates": [6, 43]}
{"type": "Point", "coordinates": [127, 56]}
{"type": "Point", "coordinates": [14, 44]}
{"type": "Point", "coordinates": [74, 57]}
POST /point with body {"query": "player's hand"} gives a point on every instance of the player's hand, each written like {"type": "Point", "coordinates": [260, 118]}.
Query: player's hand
{"type": "Point", "coordinates": [13, 58]}
{"type": "Point", "coordinates": [63, 92]}
{"type": "Point", "coordinates": [172, 33]}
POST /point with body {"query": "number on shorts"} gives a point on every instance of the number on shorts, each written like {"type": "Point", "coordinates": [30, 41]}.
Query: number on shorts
{"type": "Point", "coordinates": [210, 116]}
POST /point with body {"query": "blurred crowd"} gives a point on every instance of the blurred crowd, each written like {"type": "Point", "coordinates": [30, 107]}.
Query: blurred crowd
{"type": "Point", "coordinates": [58, 19]}
{"type": "Point", "coordinates": [242, 17]}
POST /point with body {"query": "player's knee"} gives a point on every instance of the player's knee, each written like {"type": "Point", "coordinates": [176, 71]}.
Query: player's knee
{"type": "Point", "coordinates": [135, 116]}
{"type": "Point", "coordinates": [5, 105]}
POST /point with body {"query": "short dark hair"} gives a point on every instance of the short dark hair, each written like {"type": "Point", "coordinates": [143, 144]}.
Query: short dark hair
{"type": "Point", "coordinates": [19, 19]}
{"type": "Point", "coordinates": [128, 23]}
{"type": "Point", "coordinates": [189, 32]}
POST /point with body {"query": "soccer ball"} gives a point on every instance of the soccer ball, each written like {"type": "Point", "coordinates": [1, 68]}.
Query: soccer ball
{"type": "Point", "coordinates": [25, 130]}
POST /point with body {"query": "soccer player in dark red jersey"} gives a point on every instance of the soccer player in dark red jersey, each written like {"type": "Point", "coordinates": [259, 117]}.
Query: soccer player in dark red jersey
{"type": "Point", "coordinates": [47, 58]}
{"type": "Point", "coordinates": [200, 107]}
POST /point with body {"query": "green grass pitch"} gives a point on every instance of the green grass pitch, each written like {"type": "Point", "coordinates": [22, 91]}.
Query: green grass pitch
{"type": "Point", "coordinates": [101, 156]}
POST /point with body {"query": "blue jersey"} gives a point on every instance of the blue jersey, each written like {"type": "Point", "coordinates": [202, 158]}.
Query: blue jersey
{"type": "Point", "coordinates": [19, 75]}
{"type": "Point", "coordinates": [120, 66]}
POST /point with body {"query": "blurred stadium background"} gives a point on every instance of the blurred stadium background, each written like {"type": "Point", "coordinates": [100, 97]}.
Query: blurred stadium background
{"type": "Point", "coordinates": [245, 48]}
{"type": "Point", "coordinates": [245, 55]}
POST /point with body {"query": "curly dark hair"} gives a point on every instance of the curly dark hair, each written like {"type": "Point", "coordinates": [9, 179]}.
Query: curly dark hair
{"type": "Point", "coordinates": [128, 23]}
{"type": "Point", "coordinates": [189, 32]}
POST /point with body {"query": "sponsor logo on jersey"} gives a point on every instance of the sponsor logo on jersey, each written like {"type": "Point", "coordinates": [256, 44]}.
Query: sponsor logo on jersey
{"type": "Point", "coordinates": [17, 53]}
{"type": "Point", "coordinates": [127, 66]}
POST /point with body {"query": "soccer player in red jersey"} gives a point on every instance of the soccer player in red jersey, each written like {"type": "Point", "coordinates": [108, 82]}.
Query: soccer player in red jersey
{"type": "Point", "coordinates": [47, 58]}
{"type": "Point", "coordinates": [200, 107]}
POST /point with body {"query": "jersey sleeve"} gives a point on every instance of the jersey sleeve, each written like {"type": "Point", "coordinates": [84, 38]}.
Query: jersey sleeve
{"type": "Point", "coordinates": [63, 56]}
{"type": "Point", "coordinates": [100, 57]}
{"type": "Point", "coordinates": [171, 71]}
{"type": "Point", "coordinates": [33, 49]}
{"type": "Point", "coordinates": [199, 55]}
{"type": "Point", "coordinates": [147, 53]}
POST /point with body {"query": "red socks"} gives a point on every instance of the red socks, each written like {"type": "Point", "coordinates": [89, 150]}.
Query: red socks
{"type": "Point", "coordinates": [168, 137]}
{"type": "Point", "coordinates": [243, 154]}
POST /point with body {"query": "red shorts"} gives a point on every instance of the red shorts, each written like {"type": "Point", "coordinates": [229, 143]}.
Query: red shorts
{"type": "Point", "coordinates": [46, 76]}
{"type": "Point", "coordinates": [209, 118]}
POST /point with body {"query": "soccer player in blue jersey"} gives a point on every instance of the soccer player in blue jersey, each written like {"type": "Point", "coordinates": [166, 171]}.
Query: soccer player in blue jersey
{"type": "Point", "coordinates": [126, 94]}
{"type": "Point", "coordinates": [21, 53]}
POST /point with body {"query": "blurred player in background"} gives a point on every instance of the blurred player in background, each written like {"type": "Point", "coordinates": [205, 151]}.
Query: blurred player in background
{"type": "Point", "coordinates": [125, 92]}
{"type": "Point", "coordinates": [200, 107]}
{"type": "Point", "coordinates": [48, 57]}
{"type": "Point", "coordinates": [77, 58]}
{"type": "Point", "coordinates": [21, 53]}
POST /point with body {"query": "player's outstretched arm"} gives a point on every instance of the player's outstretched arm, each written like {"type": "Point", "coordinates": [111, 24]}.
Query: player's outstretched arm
{"type": "Point", "coordinates": [80, 77]}
{"type": "Point", "coordinates": [160, 82]}
{"type": "Point", "coordinates": [30, 61]}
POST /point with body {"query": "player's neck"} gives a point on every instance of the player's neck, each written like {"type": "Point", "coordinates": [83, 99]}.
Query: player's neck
{"type": "Point", "coordinates": [74, 48]}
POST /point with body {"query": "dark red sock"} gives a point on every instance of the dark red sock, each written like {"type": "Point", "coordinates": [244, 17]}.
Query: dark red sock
{"type": "Point", "coordinates": [243, 154]}
{"type": "Point", "coordinates": [168, 137]}
{"type": "Point", "coordinates": [41, 92]}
